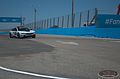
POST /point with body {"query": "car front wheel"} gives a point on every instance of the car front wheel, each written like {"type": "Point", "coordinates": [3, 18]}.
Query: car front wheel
{"type": "Point", "coordinates": [18, 35]}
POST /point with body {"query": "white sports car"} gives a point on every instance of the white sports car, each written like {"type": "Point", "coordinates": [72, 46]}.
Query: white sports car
{"type": "Point", "coordinates": [21, 32]}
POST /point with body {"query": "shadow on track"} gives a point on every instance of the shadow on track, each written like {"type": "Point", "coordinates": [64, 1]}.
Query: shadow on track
{"type": "Point", "coordinates": [15, 47]}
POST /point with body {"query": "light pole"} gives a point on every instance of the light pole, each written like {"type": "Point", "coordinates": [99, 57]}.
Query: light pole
{"type": "Point", "coordinates": [72, 13]}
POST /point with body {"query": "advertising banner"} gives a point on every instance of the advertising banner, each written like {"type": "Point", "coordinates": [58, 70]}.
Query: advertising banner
{"type": "Point", "coordinates": [108, 21]}
{"type": "Point", "coordinates": [10, 19]}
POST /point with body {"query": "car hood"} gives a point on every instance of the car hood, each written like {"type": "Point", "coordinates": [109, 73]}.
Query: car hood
{"type": "Point", "coordinates": [31, 31]}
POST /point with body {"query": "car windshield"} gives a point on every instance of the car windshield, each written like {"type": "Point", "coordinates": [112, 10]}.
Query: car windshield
{"type": "Point", "coordinates": [23, 29]}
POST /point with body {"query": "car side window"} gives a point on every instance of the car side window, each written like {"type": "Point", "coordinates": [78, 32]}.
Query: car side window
{"type": "Point", "coordinates": [14, 29]}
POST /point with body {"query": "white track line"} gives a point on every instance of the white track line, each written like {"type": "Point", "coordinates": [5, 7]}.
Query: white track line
{"type": "Point", "coordinates": [29, 73]}
{"type": "Point", "coordinates": [63, 42]}
{"type": "Point", "coordinates": [116, 41]}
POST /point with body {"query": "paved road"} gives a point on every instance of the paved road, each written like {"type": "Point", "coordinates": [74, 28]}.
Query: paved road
{"type": "Point", "coordinates": [67, 57]}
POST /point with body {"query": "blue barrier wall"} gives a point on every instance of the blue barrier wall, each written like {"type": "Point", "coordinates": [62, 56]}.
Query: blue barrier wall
{"type": "Point", "coordinates": [83, 31]}
{"type": "Point", "coordinates": [4, 33]}
{"type": "Point", "coordinates": [107, 26]}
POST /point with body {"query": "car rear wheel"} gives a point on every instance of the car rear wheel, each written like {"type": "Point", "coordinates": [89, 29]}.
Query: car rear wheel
{"type": "Point", "coordinates": [10, 35]}
{"type": "Point", "coordinates": [33, 36]}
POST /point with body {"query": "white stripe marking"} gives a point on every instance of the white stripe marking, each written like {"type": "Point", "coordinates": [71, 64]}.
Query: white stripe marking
{"type": "Point", "coordinates": [72, 43]}
{"type": "Point", "coordinates": [116, 41]}
{"type": "Point", "coordinates": [31, 74]}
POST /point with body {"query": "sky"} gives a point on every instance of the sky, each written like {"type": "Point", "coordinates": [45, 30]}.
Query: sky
{"type": "Point", "coordinates": [51, 8]}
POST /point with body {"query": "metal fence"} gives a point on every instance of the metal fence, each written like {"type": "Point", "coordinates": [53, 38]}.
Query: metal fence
{"type": "Point", "coordinates": [80, 19]}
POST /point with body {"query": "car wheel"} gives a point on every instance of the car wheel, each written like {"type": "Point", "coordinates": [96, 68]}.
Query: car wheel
{"type": "Point", "coordinates": [10, 35]}
{"type": "Point", "coordinates": [33, 36]}
{"type": "Point", "coordinates": [18, 35]}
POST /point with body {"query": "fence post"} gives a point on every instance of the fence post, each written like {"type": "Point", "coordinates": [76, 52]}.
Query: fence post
{"type": "Point", "coordinates": [88, 18]}
{"type": "Point", "coordinates": [36, 26]}
{"type": "Point", "coordinates": [50, 22]}
{"type": "Point", "coordinates": [58, 22]}
{"type": "Point", "coordinates": [47, 22]}
{"type": "Point", "coordinates": [44, 24]}
{"type": "Point", "coordinates": [53, 21]}
{"type": "Point", "coordinates": [32, 26]}
{"type": "Point", "coordinates": [96, 13]}
{"type": "Point", "coordinates": [68, 21]}
{"type": "Point", "coordinates": [80, 19]}
{"type": "Point", "coordinates": [40, 25]}
{"type": "Point", "coordinates": [62, 21]}
{"type": "Point", "coordinates": [74, 20]}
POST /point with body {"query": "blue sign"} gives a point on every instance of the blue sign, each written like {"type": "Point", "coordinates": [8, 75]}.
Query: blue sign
{"type": "Point", "coordinates": [10, 19]}
{"type": "Point", "coordinates": [108, 21]}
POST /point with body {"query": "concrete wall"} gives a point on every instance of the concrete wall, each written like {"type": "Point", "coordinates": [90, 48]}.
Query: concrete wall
{"type": "Point", "coordinates": [83, 31]}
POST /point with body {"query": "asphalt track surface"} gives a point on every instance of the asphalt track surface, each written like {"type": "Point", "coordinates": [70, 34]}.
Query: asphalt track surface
{"type": "Point", "coordinates": [58, 56]}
